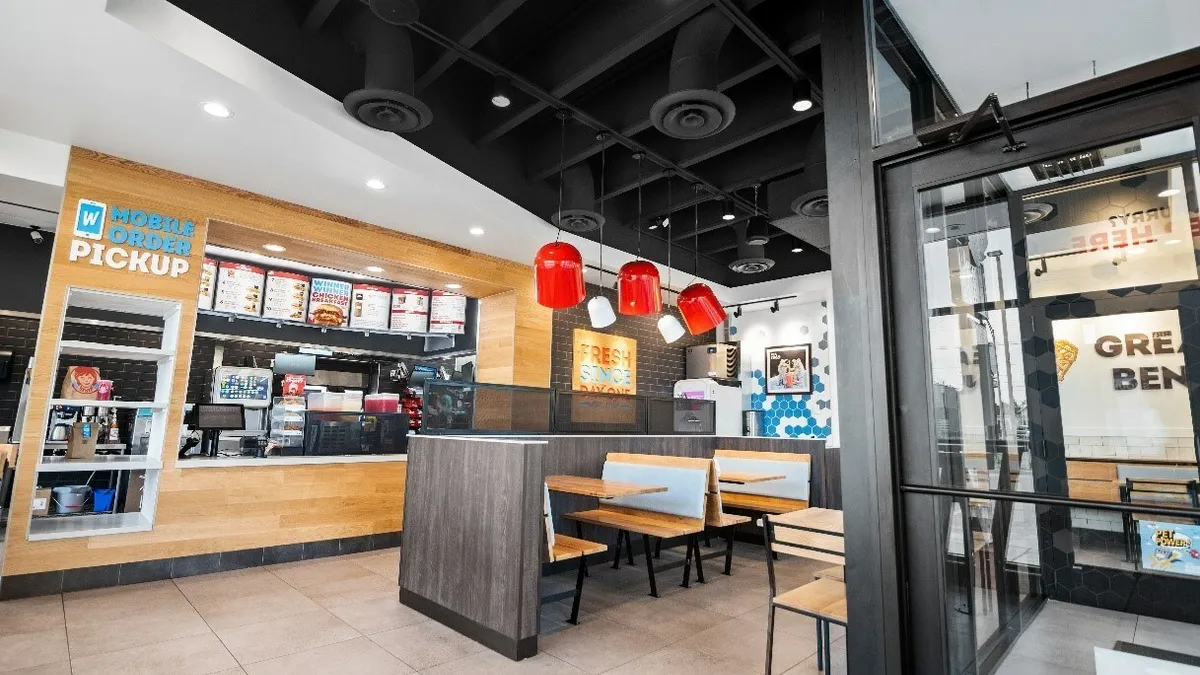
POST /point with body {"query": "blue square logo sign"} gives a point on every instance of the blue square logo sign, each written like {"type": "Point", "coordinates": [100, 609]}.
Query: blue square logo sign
{"type": "Point", "coordinates": [89, 219]}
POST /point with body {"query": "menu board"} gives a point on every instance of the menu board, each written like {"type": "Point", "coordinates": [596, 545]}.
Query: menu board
{"type": "Point", "coordinates": [369, 307]}
{"type": "Point", "coordinates": [286, 296]}
{"type": "Point", "coordinates": [448, 313]}
{"type": "Point", "coordinates": [208, 283]}
{"type": "Point", "coordinates": [329, 302]}
{"type": "Point", "coordinates": [410, 310]}
{"type": "Point", "coordinates": [239, 288]}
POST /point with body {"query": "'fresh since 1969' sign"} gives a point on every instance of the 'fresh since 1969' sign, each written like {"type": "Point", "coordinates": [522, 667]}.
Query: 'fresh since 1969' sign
{"type": "Point", "coordinates": [131, 239]}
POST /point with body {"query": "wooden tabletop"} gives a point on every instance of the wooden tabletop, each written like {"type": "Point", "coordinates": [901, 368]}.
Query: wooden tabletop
{"type": "Point", "coordinates": [826, 521]}
{"type": "Point", "coordinates": [743, 477]}
{"type": "Point", "coordinates": [598, 487]}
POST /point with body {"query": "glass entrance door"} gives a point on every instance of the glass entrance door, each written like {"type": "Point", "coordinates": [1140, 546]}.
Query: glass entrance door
{"type": "Point", "coordinates": [1046, 310]}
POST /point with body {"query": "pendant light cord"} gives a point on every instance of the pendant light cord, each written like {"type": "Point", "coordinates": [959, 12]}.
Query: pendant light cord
{"type": "Point", "coordinates": [562, 150]}
{"type": "Point", "coordinates": [602, 137]}
{"type": "Point", "coordinates": [670, 203]}
{"type": "Point", "coordinates": [639, 218]}
{"type": "Point", "coordinates": [696, 239]}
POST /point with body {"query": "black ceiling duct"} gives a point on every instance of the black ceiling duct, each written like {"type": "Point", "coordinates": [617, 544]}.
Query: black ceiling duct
{"type": "Point", "coordinates": [579, 201]}
{"type": "Point", "coordinates": [751, 259]}
{"type": "Point", "coordinates": [812, 200]}
{"type": "Point", "coordinates": [397, 12]}
{"type": "Point", "coordinates": [694, 108]}
{"type": "Point", "coordinates": [387, 101]}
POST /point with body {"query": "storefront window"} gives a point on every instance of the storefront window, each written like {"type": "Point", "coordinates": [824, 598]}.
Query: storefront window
{"type": "Point", "coordinates": [938, 58]}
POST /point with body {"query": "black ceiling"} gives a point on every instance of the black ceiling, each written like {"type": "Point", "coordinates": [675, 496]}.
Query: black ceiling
{"type": "Point", "coordinates": [609, 59]}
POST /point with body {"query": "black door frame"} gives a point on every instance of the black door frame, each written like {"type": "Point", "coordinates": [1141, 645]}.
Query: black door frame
{"type": "Point", "coordinates": [881, 608]}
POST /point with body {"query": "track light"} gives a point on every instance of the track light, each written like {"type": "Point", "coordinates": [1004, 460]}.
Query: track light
{"type": "Point", "coordinates": [775, 307]}
{"type": "Point", "coordinates": [737, 312]}
{"type": "Point", "coordinates": [502, 92]}
{"type": "Point", "coordinates": [801, 95]}
{"type": "Point", "coordinates": [727, 212]}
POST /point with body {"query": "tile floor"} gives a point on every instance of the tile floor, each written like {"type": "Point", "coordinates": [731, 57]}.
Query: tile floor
{"type": "Point", "coordinates": [1061, 639]}
{"type": "Point", "coordinates": [341, 615]}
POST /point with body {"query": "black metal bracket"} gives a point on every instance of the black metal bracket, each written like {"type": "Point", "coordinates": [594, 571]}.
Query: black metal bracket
{"type": "Point", "coordinates": [991, 105]}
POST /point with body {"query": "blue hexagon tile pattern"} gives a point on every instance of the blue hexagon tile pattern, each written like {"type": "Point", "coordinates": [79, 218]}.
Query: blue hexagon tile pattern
{"type": "Point", "coordinates": [797, 415]}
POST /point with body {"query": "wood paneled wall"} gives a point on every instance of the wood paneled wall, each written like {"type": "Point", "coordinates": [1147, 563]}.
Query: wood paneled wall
{"type": "Point", "coordinates": [209, 510]}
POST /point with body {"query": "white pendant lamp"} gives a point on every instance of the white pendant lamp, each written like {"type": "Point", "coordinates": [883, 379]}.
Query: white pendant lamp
{"type": "Point", "coordinates": [668, 325]}
{"type": "Point", "coordinates": [600, 309]}
{"type": "Point", "coordinates": [670, 328]}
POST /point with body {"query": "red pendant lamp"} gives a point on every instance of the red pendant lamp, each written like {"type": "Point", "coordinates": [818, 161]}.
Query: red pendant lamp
{"type": "Point", "coordinates": [639, 290]}
{"type": "Point", "coordinates": [558, 266]}
{"type": "Point", "coordinates": [698, 304]}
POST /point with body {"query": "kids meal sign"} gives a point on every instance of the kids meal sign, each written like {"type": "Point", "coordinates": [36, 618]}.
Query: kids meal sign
{"type": "Point", "coordinates": [131, 239]}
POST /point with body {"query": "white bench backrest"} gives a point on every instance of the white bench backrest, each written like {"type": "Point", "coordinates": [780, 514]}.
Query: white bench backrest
{"type": "Point", "coordinates": [686, 488]}
{"type": "Point", "coordinates": [548, 520]}
{"type": "Point", "coordinates": [793, 486]}
{"type": "Point", "coordinates": [1136, 472]}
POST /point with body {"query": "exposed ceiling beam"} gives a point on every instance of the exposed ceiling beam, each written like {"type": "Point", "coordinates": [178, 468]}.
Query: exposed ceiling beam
{"type": "Point", "coordinates": [471, 35]}
{"type": "Point", "coordinates": [317, 14]}
{"type": "Point", "coordinates": [628, 109]}
{"type": "Point", "coordinates": [762, 114]}
{"type": "Point", "coordinates": [606, 34]}
{"type": "Point", "coordinates": [487, 65]}
{"type": "Point", "coordinates": [773, 51]}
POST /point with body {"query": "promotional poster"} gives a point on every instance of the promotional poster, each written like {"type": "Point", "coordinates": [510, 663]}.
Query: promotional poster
{"type": "Point", "coordinates": [1170, 547]}
{"type": "Point", "coordinates": [789, 369]}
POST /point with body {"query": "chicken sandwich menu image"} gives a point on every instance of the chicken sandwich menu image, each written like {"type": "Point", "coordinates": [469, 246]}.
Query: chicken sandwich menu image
{"type": "Point", "coordinates": [329, 303]}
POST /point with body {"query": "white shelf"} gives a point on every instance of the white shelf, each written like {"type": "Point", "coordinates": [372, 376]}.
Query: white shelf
{"type": "Point", "coordinates": [119, 302]}
{"type": "Point", "coordinates": [66, 527]}
{"type": "Point", "coordinates": [106, 351]}
{"type": "Point", "coordinates": [58, 445]}
{"type": "Point", "coordinates": [232, 316]}
{"type": "Point", "coordinates": [153, 405]}
{"type": "Point", "coordinates": [99, 463]}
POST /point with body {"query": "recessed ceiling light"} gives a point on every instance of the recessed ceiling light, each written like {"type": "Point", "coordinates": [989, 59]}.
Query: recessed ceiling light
{"type": "Point", "coordinates": [666, 222]}
{"type": "Point", "coordinates": [1169, 192]}
{"type": "Point", "coordinates": [274, 248]}
{"type": "Point", "coordinates": [217, 109]}
{"type": "Point", "coordinates": [454, 287]}
{"type": "Point", "coordinates": [653, 226]}
{"type": "Point", "coordinates": [477, 231]}
{"type": "Point", "coordinates": [502, 92]}
{"type": "Point", "coordinates": [1137, 250]}
{"type": "Point", "coordinates": [375, 184]}
{"type": "Point", "coordinates": [1172, 242]}
{"type": "Point", "coordinates": [374, 268]}
{"type": "Point", "coordinates": [797, 250]}
{"type": "Point", "coordinates": [932, 230]}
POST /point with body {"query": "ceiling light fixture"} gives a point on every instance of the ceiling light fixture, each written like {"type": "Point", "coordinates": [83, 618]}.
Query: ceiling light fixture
{"type": "Point", "coordinates": [375, 184]}
{"type": "Point", "coordinates": [454, 287]}
{"type": "Point", "coordinates": [1172, 242]}
{"type": "Point", "coordinates": [666, 221]}
{"type": "Point", "coordinates": [274, 248]}
{"type": "Point", "coordinates": [639, 291]}
{"type": "Point", "coordinates": [1169, 192]}
{"type": "Point", "coordinates": [699, 306]}
{"type": "Point", "coordinates": [737, 312]}
{"type": "Point", "coordinates": [600, 309]}
{"type": "Point", "coordinates": [1137, 250]}
{"type": "Point", "coordinates": [775, 307]}
{"type": "Point", "coordinates": [558, 266]}
{"type": "Point", "coordinates": [932, 230]}
{"type": "Point", "coordinates": [801, 95]}
{"type": "Point", "coordinates": [668, 326]}
{"type": "Point", "coordinates": [727, 210]}
{"type": "Point", "coordinates": [374, 268]}
{"type": "Point", "coordinates": [217, 109]}
{"type": "Point", "coordinates": [797, 249]}
{"type": "Point", "coordinates": [502, 92]}
{"type": "Point", "coordinates": [477, 231]}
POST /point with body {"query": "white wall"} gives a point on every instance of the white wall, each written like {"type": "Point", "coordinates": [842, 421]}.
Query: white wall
{"type": "Point", "coordinates": [805, 319]}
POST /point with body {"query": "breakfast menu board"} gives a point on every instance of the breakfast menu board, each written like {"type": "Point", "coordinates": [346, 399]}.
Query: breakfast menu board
{"type": "Point", "coordinates": [208, 283]}
{"type": "Point", "coordinates": [239, 288]}
{"type": "Point", "coordinates": [329, 302]}
{"type": "Point", "coordinates": [286, 296]}
{"type": "Point", "coordinates": [410, 310]}
{"type": "Point", "coordinates": [370, 306]}
{"type": "Point", "coordinates": [448, 313]}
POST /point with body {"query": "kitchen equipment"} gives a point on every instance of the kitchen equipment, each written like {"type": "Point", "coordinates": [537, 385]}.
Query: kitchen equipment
{"type": "Point", "coordinates": [70, 498]}
{"type": "Point", "coordinates": [752, 422]}
{"type": "Point", "coordinates": [728, 403]}
{"type": "Point", "coordinates": [719, 361]}
{"type": "Point", "coordinates": [59, 431]}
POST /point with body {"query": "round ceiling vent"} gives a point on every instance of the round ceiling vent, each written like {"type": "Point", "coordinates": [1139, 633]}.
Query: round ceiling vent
{"type": "Point", "coordinates": [692, 113]}
{"type": "Point", "coordinates": [751, 265]}
{"type": "Point", "coordinates": [388, 110]}
{"type": "Point", "coordinates": [397, 12]}
{"type": "Point", "coordinates": [1037, 211]}
{"type": "Point", "coordinates": [815, 204]}
{"type": "Point", "coordinates": [578, 220]}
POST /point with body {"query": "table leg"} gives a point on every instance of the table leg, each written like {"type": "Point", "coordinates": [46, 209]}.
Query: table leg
{"type": "Point", "coordinates": [649, 566]}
